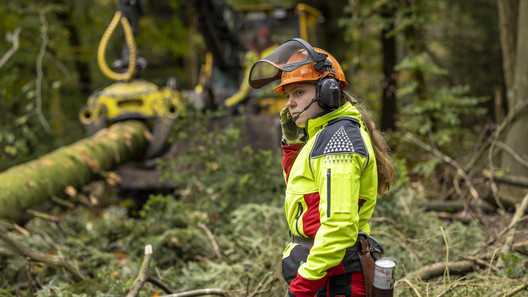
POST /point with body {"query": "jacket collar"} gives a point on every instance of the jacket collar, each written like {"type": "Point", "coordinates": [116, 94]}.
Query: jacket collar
{"type": "Point", "coordinates": [318, 123]}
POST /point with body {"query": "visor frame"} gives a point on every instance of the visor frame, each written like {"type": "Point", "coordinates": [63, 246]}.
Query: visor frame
{"type": "Point", "coordinates": [284, 52]}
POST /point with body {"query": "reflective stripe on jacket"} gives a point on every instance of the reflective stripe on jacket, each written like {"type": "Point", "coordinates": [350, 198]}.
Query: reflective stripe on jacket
{"type": "Point", "coordinates": [326, 179]}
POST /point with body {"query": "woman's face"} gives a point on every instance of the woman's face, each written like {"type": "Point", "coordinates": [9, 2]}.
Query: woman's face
{"type": "Point", "coordinates": [299, 96]}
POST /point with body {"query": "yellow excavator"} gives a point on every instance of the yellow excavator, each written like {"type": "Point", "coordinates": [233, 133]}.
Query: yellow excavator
{"type": "Point", "coordinates": [232, 40]}
{"type": "Point", "coordinates": [237, 39]}
{"type": "Point", "coordinates": [131, 97]}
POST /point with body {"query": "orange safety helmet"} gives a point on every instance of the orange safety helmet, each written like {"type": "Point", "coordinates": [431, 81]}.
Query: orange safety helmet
{"type": "Point", "coordinates": [307, 72]}
{"type": "Point", "coordinates": [295, 61]}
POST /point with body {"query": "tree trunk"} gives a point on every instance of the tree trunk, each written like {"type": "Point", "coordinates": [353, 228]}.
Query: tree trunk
{"type": "Point", "coordinates": [29, 185]}
{"type": "Point", "coordinates": [508, 18]}
{"type": "Point", "coordinates": [389, 109]}
{"type": "Point", "coordinates": [74, 39]}
{"type": "Point", "coordinates": [516, 135]}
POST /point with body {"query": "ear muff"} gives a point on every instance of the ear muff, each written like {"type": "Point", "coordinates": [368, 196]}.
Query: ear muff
{"type": "Point", "coordinates": [328, 92]}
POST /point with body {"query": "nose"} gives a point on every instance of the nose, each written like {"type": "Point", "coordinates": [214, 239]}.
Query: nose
{"type": "Point", "coordinates": [290, 102]}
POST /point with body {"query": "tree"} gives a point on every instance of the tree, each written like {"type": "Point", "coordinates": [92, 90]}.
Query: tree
{"type": "Point", "coordinates": [388, 41]}
{"type": "Point", "coordinates": [513, 20]}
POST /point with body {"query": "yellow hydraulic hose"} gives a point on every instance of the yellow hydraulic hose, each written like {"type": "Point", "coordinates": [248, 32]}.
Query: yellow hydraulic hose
{"type": "Point", "coordinates": [129, 37]}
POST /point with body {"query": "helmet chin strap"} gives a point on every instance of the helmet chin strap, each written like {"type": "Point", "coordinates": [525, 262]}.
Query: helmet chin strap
{"type": "Point", "coordinates": [296, 117]}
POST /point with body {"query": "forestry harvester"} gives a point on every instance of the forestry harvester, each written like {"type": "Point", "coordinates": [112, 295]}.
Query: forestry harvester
{"type": "Point", "coordinates": [230, 37]}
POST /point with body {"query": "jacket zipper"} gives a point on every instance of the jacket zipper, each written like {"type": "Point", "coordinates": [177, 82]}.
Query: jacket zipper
{"type": "Point", "coordinates": [298, 215]}
{"type": "Point", "coordinates": [328, 194]}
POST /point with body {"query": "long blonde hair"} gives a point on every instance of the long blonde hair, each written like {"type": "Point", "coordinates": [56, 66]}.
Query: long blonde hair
{"type": "Point", "coordinates": [381, 148]}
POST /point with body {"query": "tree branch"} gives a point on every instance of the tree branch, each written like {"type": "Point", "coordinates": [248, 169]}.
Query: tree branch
{"type": "Point", "coordinates": [506, 178]}
{"type": "Point", "coordinates": [38, 79]}
{"type": "Point", "coordinates": [213, 241]}
{"type": "Point", "coordinates": [159, 284]}
{"type": "Point", "coordinates": [13, 49]}
{"type": "Point", "coordinates": [25, 251]}
{"type": "Point", "coordinates": [201, 292]}
{"type": "Point", "coordinates": [437, 269]}
{"type": "Point", "coordinates": [143, 273]}
{"type": "Point", "coordinates": [448, 160]}
{"type": "Point", "coordinates": [519, 212]}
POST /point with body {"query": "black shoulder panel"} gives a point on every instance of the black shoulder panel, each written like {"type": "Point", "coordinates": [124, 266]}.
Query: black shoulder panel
{"type": "Point", "coordinates": [341, 136]}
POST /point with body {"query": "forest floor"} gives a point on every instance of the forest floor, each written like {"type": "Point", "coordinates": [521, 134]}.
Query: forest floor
{"type": "Point", "coordinates": [222, 227]}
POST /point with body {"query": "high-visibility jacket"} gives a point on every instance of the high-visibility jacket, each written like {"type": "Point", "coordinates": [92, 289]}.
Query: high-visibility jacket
{"type": "Point", "coordinates": [330, 195]}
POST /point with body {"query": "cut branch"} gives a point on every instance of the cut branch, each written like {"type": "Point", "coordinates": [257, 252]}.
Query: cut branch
{"type": "Point", "coordinates": [519, 212]}
{"type": "Point", "coordinates": [201, 292]}
{"type": "Point", "coordinates": [27, 252]}
{"type": "Point", "coordinates": [159, 284]}
{"type": "Point", "coordinates": [438, 269]}
{"type": "Point", "coordinates": [143, 273]}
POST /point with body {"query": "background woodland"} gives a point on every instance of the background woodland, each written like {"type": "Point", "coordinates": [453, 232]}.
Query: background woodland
{"type": "Point", "coordinates": [445, 81]}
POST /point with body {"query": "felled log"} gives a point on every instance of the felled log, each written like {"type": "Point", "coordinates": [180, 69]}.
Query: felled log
{"type": "Point", "coordinates": [29, 185]}
{"type": "Point", "coordinates": [460, 267]}
{"type": "Point", "coordinates": [438, 269]}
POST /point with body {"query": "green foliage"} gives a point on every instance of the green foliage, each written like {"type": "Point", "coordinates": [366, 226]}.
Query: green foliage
{"type": "Point", "coordinates": [197, 241]}
{"type": "Point", "coordinates": [24, 134]}
{"type": "Point", "coordinates": [218, 172]}
{"type": "Point", "coordinates": [515, 265]}
{"type": "Point", "coordinates": [224, 225]}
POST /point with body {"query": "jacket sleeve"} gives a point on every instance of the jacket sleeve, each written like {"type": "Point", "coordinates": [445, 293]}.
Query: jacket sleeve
{"type": "Point", "coordinates": [289, 154]}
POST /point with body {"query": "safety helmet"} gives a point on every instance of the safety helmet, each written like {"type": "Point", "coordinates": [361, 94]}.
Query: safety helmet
{"type": "Point", "coordinates": [307, 72]}
{"type": "Point", "coordinates": [295, 61]}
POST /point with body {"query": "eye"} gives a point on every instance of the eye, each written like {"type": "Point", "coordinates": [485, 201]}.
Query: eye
{"type": "Point", "coordinates": [299, 92]}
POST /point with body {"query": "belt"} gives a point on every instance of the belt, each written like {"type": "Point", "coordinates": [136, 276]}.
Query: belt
{"type": "Point", "coordinates": [309, 242]}
{"type": "Point", "coordinates": [304, 241]}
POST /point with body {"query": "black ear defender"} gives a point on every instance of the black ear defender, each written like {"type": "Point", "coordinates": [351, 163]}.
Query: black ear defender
{"type": "Point", "coordinates": [328, 92]}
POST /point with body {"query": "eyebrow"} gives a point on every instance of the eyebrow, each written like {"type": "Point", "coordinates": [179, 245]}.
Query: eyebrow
{"type": "Point", "coordinates": [294, 89]}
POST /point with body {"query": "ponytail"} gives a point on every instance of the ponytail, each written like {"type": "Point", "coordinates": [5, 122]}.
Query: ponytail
{"type": "Point", "coordinates": [381, 148]}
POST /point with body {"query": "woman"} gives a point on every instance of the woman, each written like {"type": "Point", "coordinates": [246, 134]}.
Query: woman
{"type": "Point", "coordinates": [335, 163]}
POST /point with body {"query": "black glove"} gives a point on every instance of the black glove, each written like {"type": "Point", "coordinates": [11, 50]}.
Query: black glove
{"type": "Point", "coordinates": [290, 132]}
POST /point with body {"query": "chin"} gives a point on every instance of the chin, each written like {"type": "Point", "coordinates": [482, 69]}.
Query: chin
{"type": "Point", "coordinates": [300, 123]}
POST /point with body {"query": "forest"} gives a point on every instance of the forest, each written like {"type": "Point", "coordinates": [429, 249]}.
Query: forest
{"type": "Point", "coordinates": [100, 197]}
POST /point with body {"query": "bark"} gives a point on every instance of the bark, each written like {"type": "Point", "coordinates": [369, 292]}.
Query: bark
{"type": "Point", "coordinates": [143, 273]}
{"type": "Point", "coordinates": [457, 267]}
{"type": "Point", "coordinates": [201, 292]}
{"type": "Point", "coordinates": [389, 109]}
{"type": "Point", "coordinates": [74, 39]}
{"type": "Point", "coordinates": [29, 185]}
{"type": "Point", "coordinates": [519, 212]}
{"type": "Point", "coordinates": [516, 135]}
{"type": "Point", "coordinates": [501, 177]}
{"type": "Point", "coordinates": [438, 269]}
{"type": "Point", "coordinates": [508, 18]}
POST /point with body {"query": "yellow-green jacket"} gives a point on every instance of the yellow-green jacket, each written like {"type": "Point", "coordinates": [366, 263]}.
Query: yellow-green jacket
{"type": "Point", "coordinates": [330, 195]}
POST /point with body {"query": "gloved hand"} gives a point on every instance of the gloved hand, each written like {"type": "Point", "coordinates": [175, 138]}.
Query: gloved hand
{"type": "Point", "coordinates": [291, 133]}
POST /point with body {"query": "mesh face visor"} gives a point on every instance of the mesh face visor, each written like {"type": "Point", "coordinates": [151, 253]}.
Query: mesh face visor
{"type": "Point", "coordinates": [291, 55]}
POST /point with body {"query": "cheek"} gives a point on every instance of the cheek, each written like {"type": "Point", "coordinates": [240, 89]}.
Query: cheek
{"type": "Point", "coordinates": [301, 121]}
